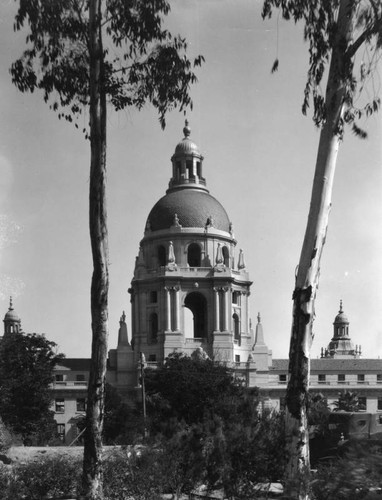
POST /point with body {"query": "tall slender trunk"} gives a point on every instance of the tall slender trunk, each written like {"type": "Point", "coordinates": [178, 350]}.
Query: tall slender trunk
{"type": "Point", "coordinates": [92, 464]}
{"type": "Point", "coordinates": [309, 265]}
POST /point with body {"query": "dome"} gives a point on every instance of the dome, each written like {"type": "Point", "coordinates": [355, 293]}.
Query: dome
{"type": "Point", "coordinates": [186, 147]}
{"type": "Point", "coordinates": [11, 314]}
{"type": "Point", "coordinates": [341, 316]}
{"type": "Point", "coordinates": [193, 208]}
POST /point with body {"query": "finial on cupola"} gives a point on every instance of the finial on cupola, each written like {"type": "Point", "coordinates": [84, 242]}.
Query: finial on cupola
{"type": "Point", "coordinates": [10, 303]}
{"type": "Point", "coordinates": [340, 311]}
{"type": "Point", "coordinates": [186, 129]}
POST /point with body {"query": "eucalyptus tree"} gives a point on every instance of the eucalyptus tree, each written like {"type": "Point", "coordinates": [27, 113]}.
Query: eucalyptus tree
{"type": "Point", "coordinates": [86, 55]}
{"type": "Point", "coordinates": [336, 30]}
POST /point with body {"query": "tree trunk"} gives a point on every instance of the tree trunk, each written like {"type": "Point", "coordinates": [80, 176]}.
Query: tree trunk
{"type": "Point", "coordinates": [92, 464]}
{"type": "Point", "coordinates": [307, 278]}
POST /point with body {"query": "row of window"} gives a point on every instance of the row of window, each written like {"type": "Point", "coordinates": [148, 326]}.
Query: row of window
{"type": "Point", "coordinates": [341, 378]}
{"type": "Point", "coordinates": [362, 401]}
{"type": "Point", "coordinates": [153, 297]}
{"type": "Point", "coordinates": [59, 405]}
{"type": "Point", "coordinates": [60, 377]}
{"type": "Point", "coordinates": [194, 255]}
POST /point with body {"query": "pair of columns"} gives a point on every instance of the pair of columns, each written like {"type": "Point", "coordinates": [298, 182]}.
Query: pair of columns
{"type": "Point", "coordinates": [172, 308]}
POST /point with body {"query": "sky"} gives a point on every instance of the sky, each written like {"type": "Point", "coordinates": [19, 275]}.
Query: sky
{"type": "Point", "coordinates": [259, 157]}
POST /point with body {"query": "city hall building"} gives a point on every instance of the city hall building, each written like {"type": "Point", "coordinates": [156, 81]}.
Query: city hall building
{"type": "Point", "coordinates": [190, 292]}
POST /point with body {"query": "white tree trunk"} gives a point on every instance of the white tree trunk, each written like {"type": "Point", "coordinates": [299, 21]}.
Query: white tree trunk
{"type": "Point", "coordinates": [92, 465]}
{"type": "Point", "coordinates": [309, 266]}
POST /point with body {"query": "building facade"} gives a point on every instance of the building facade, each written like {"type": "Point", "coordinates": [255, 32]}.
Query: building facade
{"type": "Point", "coordinates": [190, 291]}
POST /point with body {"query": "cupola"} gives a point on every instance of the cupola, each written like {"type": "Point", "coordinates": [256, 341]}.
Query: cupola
{"type": "Point", "coordinates": [12, 321]}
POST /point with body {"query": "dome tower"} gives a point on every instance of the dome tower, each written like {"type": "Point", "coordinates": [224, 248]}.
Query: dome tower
{"type": "Point", "coordinates": [190, 288]}
{"type": "Point", "coordinates": [12, 321]}
{"type": "Point", "coordinates": [341, 345]}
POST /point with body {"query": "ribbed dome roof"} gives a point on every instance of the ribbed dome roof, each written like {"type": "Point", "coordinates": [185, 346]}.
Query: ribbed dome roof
{"type": "Point", "coordinates": [11, 314]}
{"type": "Point", "coordinates": [186, 147]}
{"type": "Point", "coordinates": [341, 316]}
{"type": "Point", "coordinates": [193, 207]}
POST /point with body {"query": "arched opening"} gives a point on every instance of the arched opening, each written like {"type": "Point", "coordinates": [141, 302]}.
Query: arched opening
{"type": "Point", "coordinates": [236, 327]}
{"type": "Point", "coordinates": [153, 328]}
{"type": "Point", "coordinates": [226, 256]}
{"type": "Point", "coordinates": [197, 304]}
{"type": "Point", "coordinates": [161, 255]}
{"type": "Point", "coordinates": [194, 255]}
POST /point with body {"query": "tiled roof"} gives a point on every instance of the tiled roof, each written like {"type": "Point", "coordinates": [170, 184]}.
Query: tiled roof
{"type": "Point", "coordinates": [75, 364]}
{"type": "Point", "coordinates": [193, 208]}
{"type": "Point", "coordinates": [334, 364]}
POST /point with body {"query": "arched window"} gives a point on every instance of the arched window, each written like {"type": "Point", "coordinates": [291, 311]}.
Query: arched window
{"type": "Point", "coordinates": [194, 255]}
{"type": "Point", "coordinates": [153, 328]}
{"type": "Point", "coordinates": [161, 255]}
{"type": "Point", "coordinates": [236, 327]}
{"type": "Point", "coordinates": [226, 256]}
{"type": "Point", "coordinates": [197, 304]}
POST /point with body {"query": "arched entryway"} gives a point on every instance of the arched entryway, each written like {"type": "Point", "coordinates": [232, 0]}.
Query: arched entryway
{"type": "Point", "coordinates": [197, 304]}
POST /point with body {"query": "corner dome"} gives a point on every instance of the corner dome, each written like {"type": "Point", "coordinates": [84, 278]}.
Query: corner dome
{"type": "Point", "coordinates": [194, 208]}
{"type": "Point", "coordinates": [11, 314]}
{"type": "Point", "coordinates": [341, 316]}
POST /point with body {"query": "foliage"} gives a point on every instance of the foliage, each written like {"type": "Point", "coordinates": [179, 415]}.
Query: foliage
{"type": "Point", "coordinates": [142, 61]}
{"type": "Point", "coordinates": [355, 476]}
{"type": "Point", "coordinates": [27, 362]}
{"type": "Point", "coordinates": [122, 424]}
{"type": "Point", "coordinates": [320, 30]}
{"type": "Point", "coordinates": [48, 477]}
{"type": "Point", "coordinates": [213, 431]}
{"type": "Point", "coordinates": [348, 401]}
{"type": "Point", "coordinates": [189, 389]}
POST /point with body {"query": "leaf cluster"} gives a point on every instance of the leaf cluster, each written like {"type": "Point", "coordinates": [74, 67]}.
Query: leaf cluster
{"type": "Point", "coordinates": [142, 61]}
{"type": "Point", "coordinates": [321, 32]}
{"type": "Point", "coordinates": [27, 362]}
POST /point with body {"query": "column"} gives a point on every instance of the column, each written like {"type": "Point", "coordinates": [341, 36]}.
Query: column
{"type": "Point", "coordinates": [168, 309]}
{"type": "Point", "coordinates": [225, 308]}
{"type": "Point", "coordinates": [177, 308]}
{"type": "Point", "coordinates": [217, 310]}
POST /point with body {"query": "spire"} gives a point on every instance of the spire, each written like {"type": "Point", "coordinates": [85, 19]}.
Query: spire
{"type": "Point", "coordinates": [259, 337]}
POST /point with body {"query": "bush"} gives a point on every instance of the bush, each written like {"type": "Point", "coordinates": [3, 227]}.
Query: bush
{"type": "Point", "coordinates": [48, 477]}
{"type": "Point", "coordinates": [356, 476]}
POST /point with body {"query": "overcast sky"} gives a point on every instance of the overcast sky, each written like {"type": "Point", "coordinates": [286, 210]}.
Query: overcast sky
{"type": "Point", "coordinates": [259, 154]}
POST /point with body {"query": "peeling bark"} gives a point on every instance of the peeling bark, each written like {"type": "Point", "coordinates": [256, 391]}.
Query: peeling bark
{"type": "Point", "coordinates": [309, 266]}
{"type": "Point", "coordinates": [92, 464]}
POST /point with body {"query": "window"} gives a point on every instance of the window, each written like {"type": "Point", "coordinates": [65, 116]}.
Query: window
{"type": "Point", "coordinates": [360, 378]}
{"type": "Point", "coordinates": [194, 255]}
{"type": "Point", "coordinates": [61, 432]}
{"type": "Point", "coordinates": [59, 377]}
{"type": "Point", "coordinates": [161, 255]}
{"type": "Point", "coordinates": [379, 378]}
{"type": "Point", "coordinates": [153, 297]}
{"type": "Point", "coordinates": [236, 327]}
{"type": "Point", "coordinates": [236, 298]}
{"type": "Point", "coordinates": [152, 358]}
{"type": "Point", "coordinates": [237, 358]}
{"type": "Point", "coordinates": [321, 378]}
{"type": "Point", "coordinates": [153, 328]}
{"type": "Point", "coordinates": [80, 377]}
{"type": "Point", "coordinates": [379, 407]}
{"type": "Point", "coordinates": [225, 252]}
{"type": "Point", "coordinates": [341, 378]}
{"type": "Point", "coordinates": [81, 404]}
{"type": "Point", "coordinates": [60, 405]}
{"type": "Point", "coordinates": [282, 378]}
{"type": "Point", "coordinates": [362, 402]}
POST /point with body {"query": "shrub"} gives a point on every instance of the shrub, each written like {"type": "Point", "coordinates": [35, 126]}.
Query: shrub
{"type": "Point", "coordinates": [48, 477]}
